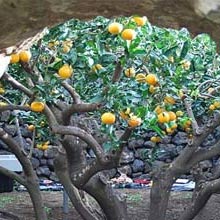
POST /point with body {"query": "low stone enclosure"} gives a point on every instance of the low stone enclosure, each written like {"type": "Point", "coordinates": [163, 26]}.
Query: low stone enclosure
{"type": "Point", "coordinates": [139, 158]}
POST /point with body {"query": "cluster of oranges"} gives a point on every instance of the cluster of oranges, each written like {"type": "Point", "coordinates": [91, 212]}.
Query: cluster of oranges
{"type": "Point", "coordinates": [129, 34]}
{"type": "Point", "coordinates": [214, 106]}
{"type": "Point", "coordinates": [132, 120]}
{"type": "Point", "coordinates": [23, 56]}
{"type": "Point", "coordinates": [44, 146]}
{"type": "Point", "coordinates": [151, 79]}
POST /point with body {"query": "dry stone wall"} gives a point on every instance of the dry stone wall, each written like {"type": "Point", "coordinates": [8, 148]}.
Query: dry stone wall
{"type": "Point", "coordinates": [139, 157]}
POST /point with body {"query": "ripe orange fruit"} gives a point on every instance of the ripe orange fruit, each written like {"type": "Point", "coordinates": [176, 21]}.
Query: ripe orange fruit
{"type": "Point", "coordinates": [163, 117]}
{"type": "Point", "coordinates": [174, 126]}
{"type": "Point", "coordinates": [2, 91]}
{"type": "Point", "coordinates": [158, 110]}
{"type": "Point", "coordinates": [128, 34]}
{"type": "Point", "coordinates": [172, 116]}
{"type": "Point", "coordinates": [96, 67]}
{"type": "Point", "coordinates": [14, 58]}
{"type": "Point", "coordinates": [211, 107]}
{"type": "Point", "coordinates": [216, 104]}
{"type": "Point", "coordinates": [125, 114]}
{"type": "Point", "coordinates": [140, 21]}
{"type": "Point", "coordinates": [151, 79]}
{"type": "Point", "coordinates": [65, 71]}
{"type": "Point", "coordinates": [169, 130]}
{"type": "Point", "coordinates": [152, 89]}
{"type": "Point", "coordinates": [115, 28]}
{"type": "Point", "coordinates": [130, 72]}
{"type": "Point", "coordinates": [188, 123]}
{"type": "Point", "coordinates": [31, 127]}
{"type": "Point", "coordinates": [169, 100]}
{"type": "Point", "coordinates": [108, 118]}
{"type": "Point", "coordinates": [140, 77]}
{"type": "Point", "coordinates": [45, 146]}
{"type": "Point", "coordinates": [134, 121]}
{"type": "Point", "coordinates": [155, 139]}
{"type": "Point", "coordinates": [37, 106]}
{"type": "Point", "coordinates": [66, 49]}
{"type": "Point", "coordinates": [25, 56]}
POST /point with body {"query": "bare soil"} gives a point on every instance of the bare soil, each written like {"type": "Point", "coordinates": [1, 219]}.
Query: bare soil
{"type": "Point", "coordinates": [19, 205]}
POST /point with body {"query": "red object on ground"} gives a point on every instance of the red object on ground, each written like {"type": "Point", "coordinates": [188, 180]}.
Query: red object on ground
{"type": "Point", "coordinates": [141, 181]}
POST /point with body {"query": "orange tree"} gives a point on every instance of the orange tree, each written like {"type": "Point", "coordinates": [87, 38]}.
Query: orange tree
{"type": "Point", "coordinates": [85, 81]}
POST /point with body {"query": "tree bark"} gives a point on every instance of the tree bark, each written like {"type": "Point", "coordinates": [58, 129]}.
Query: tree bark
{"type": "Point", "coordinates": [36, 198]}
{"type": "Point", "coordinates": [60, 166]}
{"type": "Point", "coordinates": [159, 195]}
{"type": "Point", "coordinates": [203, 195]}
{"type": "Point", "coordinates": [112, 205]}
{"type": "Point", "coordinates": [110, 201]}
{"type": "Point", "coordinates": [30, 179]}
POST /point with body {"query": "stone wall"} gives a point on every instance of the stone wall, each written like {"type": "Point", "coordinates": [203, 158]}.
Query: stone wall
{"type": "Point", "coordinates": [138, 159]}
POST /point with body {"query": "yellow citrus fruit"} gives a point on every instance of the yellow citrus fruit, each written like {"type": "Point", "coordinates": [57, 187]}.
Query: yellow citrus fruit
{"type": "Point", "coordinates": [2, 91]}
{"type": "Point", "coordinates": [216, 104]}
{"type": "Point", "coordinates": [163, 117]}
{"type": "Point", "coordinates": [128, 34]}
{"type": "Point", "coordinates": [155, 139]}
{"type": "Point", "coordinates": [66, 49]}
{"type": "Point", "coordinates": [14, 58]}
{"type": "Point", "coordinates": [125, 114]}
{"type": "Point", "coordinates": [108, 118]}
{"type": "Point", "coordinates": [152, 89]}
{"type": "Point", "coordinates": [31, 127]}
{"type": "Point", "coordinates": [187, 129]}
{"type": "Point", "coordinates": [140, 21]}
{"type": "Point", "coordinates": [174, 126]}
{"type": "Point", "coordinates": [68, 43]}
{"type": "Point", "coordinates": [158, 109]}
{"type": "Point", "coordinates": [65, 71]}
{"type": "Point", "coordinates": [44, 146]}
{"type": "Point", "coordinates": [169, 100]}
{"type": "Point", "coordinates": [25, 56]}
{"type": "Point", "coordinates": [134, 121]}
{"type": "Point", "coordinates": [53, 44]}
{"type": "Point", "coordinates": [151, 79]}
{"type": "Point", "coordinates": [130, 72]}
{"type": "Point", "coordinates": [39, 146]}
{"type": "Point", "coordinates": [115, 28]}
{"type": "Point", "coordinates": [188, 123]}
{"type": "Point", "coordinates": [140, 77]}
{"type": "Point", "coordinates": [169, 130]}
{"type": "Point", "coordinates": [172, 116]}
{"type": "Point", "coordinates": [211, 107]}
{"type": "Point", "coordinates": [37, 106]}
{"type": "Point", "coordinates": [179, 113]}
{"type": "Point", "coordinates": [96, 67]}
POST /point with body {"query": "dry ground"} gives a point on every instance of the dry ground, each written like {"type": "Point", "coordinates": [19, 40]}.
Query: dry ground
{"type": "Point", "coordinates": [18, 204]}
